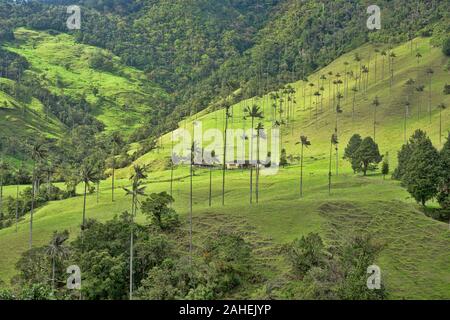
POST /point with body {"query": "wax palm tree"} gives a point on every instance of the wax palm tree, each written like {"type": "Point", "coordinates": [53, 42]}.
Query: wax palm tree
{"type": "Point", "coordinates": [419, 90]}
{"type": "Point", "coordinates": [304, 143]}
{"type": "Point", "coordinates": [418, 56]}
{"type": "Point", "coordinates": [338, 108]}
{"type": "Point", "coordinates": [259, 134]}
{"type": "Point", "coordinates": [193, 152]}
{"type": "Point", "coordinates": [211, 163]}
{"type": "Point", "coordinates": [56, 250]}
{"type": "Point", "coordinates": [375, 104]}
{"type": "Point", "coordinates": [89, 172]}
{"type": "Point", "coordinates": [4, 171]}
{"type": "Point", "coordinates": [317, 95]}
{"type": "Point", "coordinates": [334, 142]}
{"type": "Point", "coordinates": [330, 73]}
{"type": "Point", "coordinates": [224, 166]}
{"type": "Point", "coordinates": [115, 142]}
{"type": "Point", "coordinates": [311, 86]}
{"type": "Point", "coordinates": [392, 56]}
{"type": "Point", "coordinates": [357, 58]}
{"type": "Point", "coordinates": [354, 90]}
{"type": "Point", "coordinates": [254, 113]}
{"type": "Point", "coordinates": [441, 108]}
{"type": "Point", "coordinates": [365, 72]}
{"type": "Point", "coordinates": [345, 77]}
{"type": "Point", "coordinates": [430, 73]}
{"type": "Point", "coordinates": [38, 153]}
{"type": "Point", "coordinates": [137, 189]}
{"type": "Point", "coordinates": [383, 56]}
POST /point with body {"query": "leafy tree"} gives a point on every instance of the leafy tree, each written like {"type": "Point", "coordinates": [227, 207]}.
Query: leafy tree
{"type": "Point", "coordinates": [446, 47]}
{"type": "Point", "coordinates": [422, 172]}
{"type": "Point", "coordinates": [157, 208]}
{"type": "Point", "coordinates": [350, 151]}
{"type": "Point", "coordinates": [367, 155]}
{"type": "Point", "coordinates": [405, 153]}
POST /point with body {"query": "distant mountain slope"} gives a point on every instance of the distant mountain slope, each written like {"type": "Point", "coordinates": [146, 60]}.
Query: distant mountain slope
{"type": "Point", "coordinates": [119, 96]}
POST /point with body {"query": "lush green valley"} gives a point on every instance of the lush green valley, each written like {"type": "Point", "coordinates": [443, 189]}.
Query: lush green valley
{"type": "Point", "coordinates": [93, 134]}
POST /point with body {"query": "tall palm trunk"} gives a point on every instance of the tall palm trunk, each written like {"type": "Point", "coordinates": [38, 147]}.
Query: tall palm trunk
{"type": "Point", "coordinates": [210, 186]}
{"type": "Point", "coordinates": [190, 211]}
{"type": "Point", "coordinates": [329, 170]}
{"type": "Point", "coordinates": [301, 173]}
{"type": "Point", "coordinates": [133, 210]}
{"type": "Point", "coordinates": [53, 273]}
{"type": "Point", "coordinates": [32, 210]}
{"type": "Point", "coordinates": [84, 204]}
{"type": "Point", "coordinates": [1, 199]}
{"type": "Point", "coordinates": [17, 205]}
{"type": "Point", "coordinates": [257, 168]}
{"type": "Point", "coordinates": [251, 162]}
{"type": "Point", "coordinates": [224, 158]}
{"type": "Point", "coordinates": [112, 180]}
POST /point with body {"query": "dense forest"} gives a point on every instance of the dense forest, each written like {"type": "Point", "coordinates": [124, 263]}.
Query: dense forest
{"type": "Point", "coordinates": [202, 51]}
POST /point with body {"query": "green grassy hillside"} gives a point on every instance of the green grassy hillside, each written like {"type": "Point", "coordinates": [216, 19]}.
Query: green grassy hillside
{"type": "Point", "coordinates": [415, 261]}
{"type": "Point", "coordinates": [119, 95]}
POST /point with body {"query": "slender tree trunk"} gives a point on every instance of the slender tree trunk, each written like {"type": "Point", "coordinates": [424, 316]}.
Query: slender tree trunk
{"type": "Point", "coordinates": [329, 170]}
{"type": "Point", "coordinates": [440, 127]}
{"type": "Point", "coordinates": [374, 124]}
{"type": "Point", "coordinates": [17, 205]}
{"type": "Point", "coordinates": [301, 173]}
{"type": "Point", "coordinates": [112, 181]}
{"type": "Point", "coordinates": [257, 169]}
{"type": "Point", "coordinates": [133, 210]}
{"type": "Point", "coordinates": [1, 200]}
{"type": "Point", "coordinates": [84, 204]}
{"type": "Point", "coordinates": [190, 212]}
{"type": "Point", "coordinates": [251, 163]}
{"type": "Point", "coordinates": [210, 186]}
{"type": "Point", "coordinates": [224, 159]}
{"type": "Point", "coordinates": [32, 211]}
{"type": "Point", "coordinates": [53, 273]}
{"type": "Point", "coordinates": [404, 125]}
{"type": "Point", "coordinates": [429, 101]}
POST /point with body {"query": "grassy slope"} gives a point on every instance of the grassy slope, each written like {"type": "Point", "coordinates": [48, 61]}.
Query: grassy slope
{"type": "Point", "coordinates": [415, 262]}
{"type": "Point", "coordinates": [60, 57]}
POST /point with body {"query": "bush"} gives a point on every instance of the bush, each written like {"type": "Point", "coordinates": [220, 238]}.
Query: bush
{"type": "Point", "coordinates": [306, 253]}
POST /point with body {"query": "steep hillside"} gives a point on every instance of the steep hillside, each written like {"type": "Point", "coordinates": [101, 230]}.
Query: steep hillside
{"type": "Point", "coordinates": [415, 259]}
{"type": "Point", "coordinates": [119, 96]}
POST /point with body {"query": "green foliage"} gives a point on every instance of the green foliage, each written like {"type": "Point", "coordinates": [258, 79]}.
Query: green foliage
{"type": "Point", "coordinates": [363, 155]}
{"type": "Point", "coordinates": [423, 172]}
{"type": "Point", "coordinates": [405, 153]}
{"type": "Point", "coordinates": [344, 275]}
{"type": "Point", "coordinates": [157, 208]}
{"type": "Point", "coordinates": [306, 253]}
{"type": "Point", "coordinates": [446, 47]}
{"type": "Point", "coordinates": [444, 185]}
{"type": "Point", "coordinates": [350, 151]}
